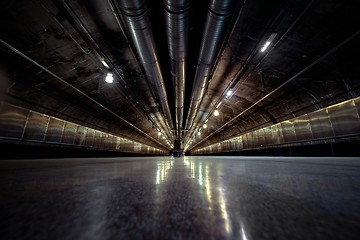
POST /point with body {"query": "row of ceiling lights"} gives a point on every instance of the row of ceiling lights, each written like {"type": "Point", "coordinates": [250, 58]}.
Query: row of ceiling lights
{"type": "Point", "coordinates": [109, 78]}
{"type": "Point", "coordinates": [101, 56]}
{"type": "Point", "coordinates": [228, 94]}
{"type": "Point", "coordinates": [216, 113]}
{"type": "Point", "coordinates": [163, 137]}
{"type": "Point", "coordinates": [269, 41]}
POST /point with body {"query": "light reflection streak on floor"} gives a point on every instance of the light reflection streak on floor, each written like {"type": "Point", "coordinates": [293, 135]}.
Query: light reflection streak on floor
{"type": "Point", "coordinates": [243, 235]}
{"type": "Point", "coordinates": [207, 186]}
{"type": "Point", "coordinates": [200, 178]}
{"type": "Point", "coordinates": [162, 171]}
{"type": "Point", "coordinates": [221, 195]}
{"type": "Point", "coordinates": [224, 213]}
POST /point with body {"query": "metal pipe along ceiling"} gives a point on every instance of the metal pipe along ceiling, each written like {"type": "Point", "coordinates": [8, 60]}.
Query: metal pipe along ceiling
{"type": "Point", "coordinates": [177, 23]}
{"type": "Point", "coordinates": [219, 12]}
{"type": "Point", "coordinates": [138, 23]}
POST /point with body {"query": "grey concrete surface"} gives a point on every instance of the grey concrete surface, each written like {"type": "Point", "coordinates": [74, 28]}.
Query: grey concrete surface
{"type": "Point", "coordinates": [180, 198]}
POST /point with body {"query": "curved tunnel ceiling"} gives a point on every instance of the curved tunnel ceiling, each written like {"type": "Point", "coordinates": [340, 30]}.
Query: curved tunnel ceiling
{"type": "Point", "coordinates": [175, 61]}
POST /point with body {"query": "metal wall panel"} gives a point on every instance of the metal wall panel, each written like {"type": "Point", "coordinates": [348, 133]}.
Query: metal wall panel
{"type": "Point", "coordinates": [268, 136]}
{"type": "Point", "coordinates": [224, 146]}
{"type": "Point", "coordinates": [112, 139]}
{"type": "Point", "coordinates": [320, 124]}
{"type": "Point", "coordinates": [137, 147]}
{"type": "Point", "coordinates": [288, 131]}
{"type": "Point", "coordinates": [276, 134]}
{"type": "Point", "coordinates": [125, 145]}
{"type": "Point", "coordinates": [240, 143]}
{"type": "Point", "coordinates": [12, 121]}
{"type": "Point", "coordinates": [357, 106]}
{"type": "Point", "coordinates": [260, 135]}
{"type": "Point", "coordinates": [303, 128]}
{"type": "Point", "coordinates": [339, 120]}
{"type": "Point", "coordinates": [130, 146]}
{"type": "Point", "coordinates": [106, 140]}
{"type": "Point", "coordinates": [118, 142]}
{"type": "Point", "coordinates": [234, 144]}
{"type": "Point", "coordinates": [69, 133]}
{"type": "Point", "coordinates": [227, 146]}
{"type": "Point", "coordinates": [97, 139]}
{"type": "Point", "coordinates": [36, 126]}
{"type": "Point", "coordinates": [22, 124]}
{"type": "Point", "coordinates": [55, 130]}
{"type": "Point", "coordinates": [344, 119]}
{"type": "Point", "coordinates": [90, 135]}
{"type": "Point", "coordinates": [80, 136]}
{"type": "Point", "coordinates": [245, 141]}
{"type": "Point", "coordinates": [253, 139]}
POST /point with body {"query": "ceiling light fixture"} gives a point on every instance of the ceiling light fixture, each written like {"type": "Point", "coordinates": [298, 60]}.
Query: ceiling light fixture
{"type": "Point", "coordinates": [228, 94]}
{"type": "Point", "coordinates": [159, 133]}
{"type": "Point", "coordinates": [217, 106]}
{"type": "Point", "coordinates": [268, 42]}
{"type": "Point", "coordinates": [206, 120]}
{"type": "Point", "coordinates": [105, 64]}
{"type": "Point", "coordinates": [204, 126]}
{"type": "Point", "coordinates": [109, 78]}
{"type": "Point", "coordinates": [266, 45]}
{"type": "Point", "coordinates": [216, 113]}
{"type": "Point", "coordinates": [199, 133]}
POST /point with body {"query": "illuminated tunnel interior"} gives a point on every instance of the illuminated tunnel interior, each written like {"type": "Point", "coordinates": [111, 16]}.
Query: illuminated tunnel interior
{"type": "Point", "coordinates": [139, 119]}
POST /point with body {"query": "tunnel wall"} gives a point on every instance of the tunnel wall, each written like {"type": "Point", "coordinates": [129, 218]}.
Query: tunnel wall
{"type": "Point", "coordinates": [336, 123]}
{"type": "Point", "coordinates": [25, 127]}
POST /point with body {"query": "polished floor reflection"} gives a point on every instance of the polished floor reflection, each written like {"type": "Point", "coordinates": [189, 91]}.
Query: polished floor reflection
{"type": "Point", "coordinates": [181, 198]}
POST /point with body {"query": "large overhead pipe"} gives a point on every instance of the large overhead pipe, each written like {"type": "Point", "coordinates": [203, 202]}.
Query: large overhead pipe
{"type": "Point", "coordinates": [177, 24]}
{"type": "Point", "coordinates": [219, 12]}
{"type": "Point", "coordinates": [137, 20]}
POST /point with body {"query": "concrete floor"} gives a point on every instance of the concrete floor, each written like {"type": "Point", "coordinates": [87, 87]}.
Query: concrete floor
{"type": "Point", "coordinates": [180, 198]}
